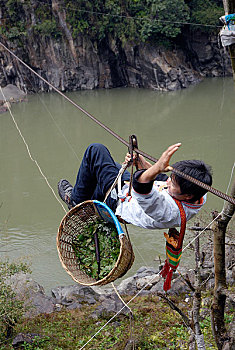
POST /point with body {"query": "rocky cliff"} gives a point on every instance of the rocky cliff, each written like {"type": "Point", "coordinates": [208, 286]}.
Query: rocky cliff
{"type": "Point", "coordinates": [82, 63]}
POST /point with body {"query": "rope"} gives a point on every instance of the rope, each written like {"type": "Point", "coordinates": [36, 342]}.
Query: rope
{"type": "Point", "coordinates": [141, 290]}
{"type": "Point", "coordinates": [218, 193]}
{"type": "Point", "coordinates": [53, 119]}
{"type": "Point", "coordinates": [230, 180]}
{"type": "Point", "coordinates": [149, 283]}
{"type": "Point", "coordinates": [205, 228]}
{"type": "Point", "coordinates": [121, 171]}
{"type": "Point", "coordinates": [29, 153]}
{"type": "Point", "coordinates": [124, 166]}
{"type": "Point", "coordinates": [176, 171]}
{"type": "Point", "coordinates": [130, 314]}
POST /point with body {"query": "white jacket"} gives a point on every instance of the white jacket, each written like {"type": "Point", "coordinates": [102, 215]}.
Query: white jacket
{"type": "Point", "coordinates": [155, 210]}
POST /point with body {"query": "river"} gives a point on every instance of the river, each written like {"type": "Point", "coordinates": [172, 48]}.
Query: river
{"type": "Point", "coordinates": [202, 117]}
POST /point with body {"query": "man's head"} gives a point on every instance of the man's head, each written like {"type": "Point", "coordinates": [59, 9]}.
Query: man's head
{"type": "Point", "coordinates": [183, 189]}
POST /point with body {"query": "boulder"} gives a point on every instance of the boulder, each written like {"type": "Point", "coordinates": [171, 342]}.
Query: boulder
{"type": "Point", "coordinates": [74, 296]}
{"type": "Point", "coordinates": [127, 286]}
{"type": "Point", "coordinates": [110, 305]}
{"type": "Point", "coordinates": [11, 93]}
{"type": "Point", "coordinates": [33, 295]}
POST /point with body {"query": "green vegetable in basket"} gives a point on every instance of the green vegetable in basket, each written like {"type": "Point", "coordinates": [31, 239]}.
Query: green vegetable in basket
{"type": "Point", "coordinates": [97, 249]}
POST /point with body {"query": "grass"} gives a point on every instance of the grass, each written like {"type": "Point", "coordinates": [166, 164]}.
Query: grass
{"type": "Point", "coordinates": [155, 326]}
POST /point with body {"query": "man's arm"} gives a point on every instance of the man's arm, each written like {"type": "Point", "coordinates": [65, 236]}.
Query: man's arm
{"type": "Point", "coordinates": [160, 166]}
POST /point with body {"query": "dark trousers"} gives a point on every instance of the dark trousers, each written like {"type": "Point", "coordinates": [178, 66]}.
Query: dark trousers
{"type": "Point", "coordinates": [95, 176]}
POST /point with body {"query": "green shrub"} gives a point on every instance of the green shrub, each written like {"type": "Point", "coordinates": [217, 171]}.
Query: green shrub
{"type": "Point", "coordinates": [138, 20]}
{"type": "Point", "coordinates": [11, 309]}
{"type": "Point", "coordinates": [48, 28]}
{"type": "Point", "coordinates": [206, 12]}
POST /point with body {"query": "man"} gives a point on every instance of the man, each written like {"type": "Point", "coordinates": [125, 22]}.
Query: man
{"type": "Point", "coordinates": [151, 203]}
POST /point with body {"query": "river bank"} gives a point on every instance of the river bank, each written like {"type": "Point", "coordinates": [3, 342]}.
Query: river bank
{"type": "Point", "coordinates": [98, 304]}
{"type": "Point", "coordinates": [145, 281]}
{"type": "Point", "coordinates": [144, 53]}
{"type": "Point", "coordinates": [201, 117]}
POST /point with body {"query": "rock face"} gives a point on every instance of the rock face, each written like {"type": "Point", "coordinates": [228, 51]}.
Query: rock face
{"type": "Point", "coordinates": [74, 64]}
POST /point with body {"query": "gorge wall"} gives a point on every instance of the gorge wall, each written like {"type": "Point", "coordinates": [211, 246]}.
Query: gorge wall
{"type": "Point", "coordinates": [73, 64]}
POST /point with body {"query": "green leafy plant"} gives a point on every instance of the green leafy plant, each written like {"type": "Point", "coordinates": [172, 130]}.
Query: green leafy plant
{"type": "Point", "coordinates": [11, 309]}
{"type": "Point", "coordinates": [132, 20]}
{"type": "Point", "coordinates": [100, 236]}
{"type": "Point", "coordinates": [48, 28]}
{"type": "Point", "coordinates": [206, 12]}
{"type": "Point", "coordinates": [38, 343]}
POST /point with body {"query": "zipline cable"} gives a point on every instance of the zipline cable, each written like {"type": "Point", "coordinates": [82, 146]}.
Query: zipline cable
{"type": "Point", "coordinates": [149, 282]}
{"type": "Point", "coordinates": [176, 171]}
{"type": "Point", "coordinates": [126, 143]}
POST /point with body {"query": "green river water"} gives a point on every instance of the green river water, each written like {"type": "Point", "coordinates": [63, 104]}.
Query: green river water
{"type": "Point", "coordinates": [202, 117]}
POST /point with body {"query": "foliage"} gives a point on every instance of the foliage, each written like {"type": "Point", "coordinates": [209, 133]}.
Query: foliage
{"type": "Point", "coordinates": [47, 28]}
{"type": "Point", "coordinates": [85, 249]}
{"type": "Point", "coordinates": [14, 26]}
{"type": "Point", "coordinates": [206, 12]}
{"type": "Point", "coordinates": [19, 16]}
{"type": "Point", "coordinates": [15, 9]}
{"type": "Point", "coordinates": [156, 326]}
{"type": "Point", "coordinates": [132, 20]}
{"type": "Point", "coordinates": [11, 309]}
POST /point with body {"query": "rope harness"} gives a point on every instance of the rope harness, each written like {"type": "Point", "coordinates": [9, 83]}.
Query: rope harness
{"type": "Point", "coordinates": [173, 254]}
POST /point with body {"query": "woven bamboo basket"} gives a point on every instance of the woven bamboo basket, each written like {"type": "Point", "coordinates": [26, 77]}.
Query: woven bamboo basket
{"type": "Point", "coordinates": [72, 225]}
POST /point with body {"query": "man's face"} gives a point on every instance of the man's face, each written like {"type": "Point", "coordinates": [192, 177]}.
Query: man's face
{"type": "Point", "coordinates": [175, 191]}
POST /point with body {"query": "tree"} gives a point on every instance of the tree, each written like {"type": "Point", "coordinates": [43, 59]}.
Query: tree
{"type": "Point", "coordinates": [220, 290]}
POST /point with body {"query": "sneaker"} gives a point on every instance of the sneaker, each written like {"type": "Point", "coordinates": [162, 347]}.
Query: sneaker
{"type": "Point", "coordinates": [65, 190]}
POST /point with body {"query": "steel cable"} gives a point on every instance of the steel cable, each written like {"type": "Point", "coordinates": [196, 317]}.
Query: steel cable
{"type": "Point", "coordinates": [126, 143]}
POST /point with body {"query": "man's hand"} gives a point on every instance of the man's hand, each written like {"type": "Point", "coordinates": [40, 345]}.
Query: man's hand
{"type": "Point", "coordinates": [163, 161]}
{"type": "Point", "coordinates": [161, 165]}
{"type": "Point", "coordinates": [140, 162]}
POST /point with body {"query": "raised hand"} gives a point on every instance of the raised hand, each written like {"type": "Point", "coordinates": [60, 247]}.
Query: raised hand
{"type": "Point", "coordinates": [161, 165]}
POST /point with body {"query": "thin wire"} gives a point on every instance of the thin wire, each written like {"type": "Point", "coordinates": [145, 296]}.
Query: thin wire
{"type": "Point", "coordinates": [230, 177]}
{"type": "Point", "coordinates": [128, 17]}
{"type": "Point", "coordinates": [138, 251]}
{"type": "Point", "coordinates": [28, 151]}
{"type": "Point", "coordinates": [230, 180]}
{"type": "Point", "coordinates": [148, 283]}
{"type": "Point", "coordinates": [53, 119]}
{"type": "Point", "coordinates": [201, 232]}
{"type": "Point", "coordinates": [176, 171]}
{"type": "Point", "coordinates": [130, 313]}
{"type": "Point", "coordinates": [125, 304]}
